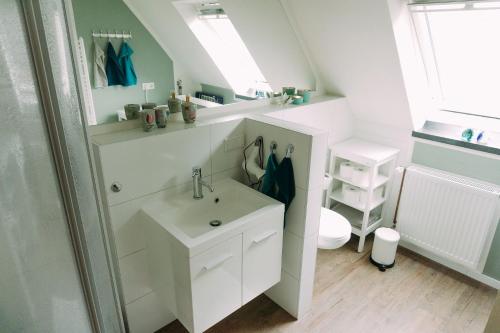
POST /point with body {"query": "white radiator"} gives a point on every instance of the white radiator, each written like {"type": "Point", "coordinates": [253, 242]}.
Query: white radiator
{"type": "Point", "coordinates": [448, 215]}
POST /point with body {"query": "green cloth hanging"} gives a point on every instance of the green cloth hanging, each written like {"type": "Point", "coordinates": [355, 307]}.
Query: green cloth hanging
{"type": "Point", "coordinates": [286, 182]}
{"type": "Point", "coordinates": [126, 65]}
{"type": "Point", "coordinates": [269, 181]}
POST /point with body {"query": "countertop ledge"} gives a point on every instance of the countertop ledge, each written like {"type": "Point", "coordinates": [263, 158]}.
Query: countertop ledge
{"type": "Point", "coordinates": [451, 134]}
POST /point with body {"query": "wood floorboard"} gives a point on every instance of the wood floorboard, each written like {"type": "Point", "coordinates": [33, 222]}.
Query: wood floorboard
{"type": "Point", "coordinates": [351, 295]}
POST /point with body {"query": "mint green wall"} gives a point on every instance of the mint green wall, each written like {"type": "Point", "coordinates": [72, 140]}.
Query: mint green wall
{"type": "Point", "coordinates": [151, 62]}
{"type": "Point", "coordinates": [470, 165]}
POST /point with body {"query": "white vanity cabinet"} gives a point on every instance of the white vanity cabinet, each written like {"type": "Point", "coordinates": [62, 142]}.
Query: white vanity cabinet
{"type": "Point", "coordinates": [229, 275]}
{"type": "Point", "coordinates": [213, 284]}
{"type": "Point", "coordinates": [262, 247]}
{"type": "Point", "coordinates": [216, 283]}
{"type": "Point", "coordinates": [208, 271]}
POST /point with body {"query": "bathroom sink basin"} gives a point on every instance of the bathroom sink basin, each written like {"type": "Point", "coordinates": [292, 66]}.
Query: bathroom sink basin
{"type": "Point", "coordinates": [219, 215]}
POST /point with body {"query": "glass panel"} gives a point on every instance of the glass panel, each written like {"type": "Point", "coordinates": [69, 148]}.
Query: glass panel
{"type": "Point", "coordinates": [464, 58]}
{"type": "Point", "coordinates": [39, 280]}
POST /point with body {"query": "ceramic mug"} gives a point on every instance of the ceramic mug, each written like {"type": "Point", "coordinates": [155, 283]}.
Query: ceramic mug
{"type": "Point", "coordinates": [132, 111]}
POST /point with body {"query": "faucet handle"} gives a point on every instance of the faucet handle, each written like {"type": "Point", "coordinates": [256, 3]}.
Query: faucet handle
{"type": "Point", "coordinates": [196, 171]}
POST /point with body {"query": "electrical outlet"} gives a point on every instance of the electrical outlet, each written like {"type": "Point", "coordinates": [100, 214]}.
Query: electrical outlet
{"type": "Point", "coordinates": [148, 86]}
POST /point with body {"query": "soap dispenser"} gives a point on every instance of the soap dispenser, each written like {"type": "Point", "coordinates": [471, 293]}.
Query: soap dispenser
{"type": "Point", "coordinates": [174, 105]}
{"type": "Point", "coordinates": [188, 111]}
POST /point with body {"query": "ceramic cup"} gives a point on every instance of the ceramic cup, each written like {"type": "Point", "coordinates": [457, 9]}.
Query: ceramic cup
{"type": "Point", "coordinates": [148, 106]}
{"type": "Point", "coordinates": [290, 91]}
{"type": "Point", "coordinates": [132, 111]}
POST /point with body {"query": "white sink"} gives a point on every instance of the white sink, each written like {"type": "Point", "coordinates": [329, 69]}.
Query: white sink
{"type": "Point", "coordinates": [195, 263]}
{"type": "Point", "coordinates": [232, 204]}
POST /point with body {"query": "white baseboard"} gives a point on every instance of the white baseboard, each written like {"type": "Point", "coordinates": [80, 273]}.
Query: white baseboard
{"type": "Point", "coordinates": [487, 280]}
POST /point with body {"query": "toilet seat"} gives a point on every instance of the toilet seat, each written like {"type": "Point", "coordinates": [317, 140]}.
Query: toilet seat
{"type": "Point", "coordinates": [334, 230]}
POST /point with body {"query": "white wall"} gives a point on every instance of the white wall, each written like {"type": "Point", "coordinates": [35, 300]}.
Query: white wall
{"type": "Point", "coordinates": [354, 47]}
{"type": "Point", "coordinates": [294, 291]}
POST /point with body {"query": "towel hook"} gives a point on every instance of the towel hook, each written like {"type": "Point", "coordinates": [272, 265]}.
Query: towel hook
{"type": "Point", "coordinates": [130, 34]}
{"type": "Point", "coordinates": [289, 150]}
{"type": "Point", "coordinates": [109, 36]}
{"type": "Point", "coordinates": [273, 147]}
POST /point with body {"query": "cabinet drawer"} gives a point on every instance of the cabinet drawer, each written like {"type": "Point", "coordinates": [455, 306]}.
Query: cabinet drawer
{"type": "Point", "coordinates": [216, 283]}
{"type": "Point", "coordinates": [262, 248]}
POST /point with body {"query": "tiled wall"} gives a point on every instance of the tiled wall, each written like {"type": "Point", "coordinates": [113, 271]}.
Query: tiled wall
{"type": "Point", "coordinates": [294, 292]}
{"type": "Point", "coordinates": [148, 168]}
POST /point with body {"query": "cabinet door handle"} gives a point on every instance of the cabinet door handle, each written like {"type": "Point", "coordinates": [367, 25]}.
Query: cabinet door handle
{"type": "Point", "coordinates": [264, 237]}
{"type": "Point", "coordinates": [217, 262]}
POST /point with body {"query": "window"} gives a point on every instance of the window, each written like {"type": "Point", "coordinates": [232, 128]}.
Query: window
{"type": "Point", "coordinates": [216, 33]}
{"type": "Point", "coordinates": [460, 46]}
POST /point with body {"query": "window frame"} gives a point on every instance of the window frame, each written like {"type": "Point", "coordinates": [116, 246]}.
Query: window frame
{"type": "Point", "coordinates": [426, 45]}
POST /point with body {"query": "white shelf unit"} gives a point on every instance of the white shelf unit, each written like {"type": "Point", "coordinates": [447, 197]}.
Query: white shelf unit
{"type": "Point", "coordinates": [365, 215]}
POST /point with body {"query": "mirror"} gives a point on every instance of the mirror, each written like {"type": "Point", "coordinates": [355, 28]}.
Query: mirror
{"type": "Point", "coordinates": [140, 53]}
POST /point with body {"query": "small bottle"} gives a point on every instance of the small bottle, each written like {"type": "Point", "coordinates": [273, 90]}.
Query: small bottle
{"type": "Point", "coordinates": [174, 105]}
{"type": "Point", "coordinates": [188, 111]}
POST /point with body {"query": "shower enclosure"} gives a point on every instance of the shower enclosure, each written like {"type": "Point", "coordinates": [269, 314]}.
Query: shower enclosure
{"type": "Point", "coordinates": [56, 267]}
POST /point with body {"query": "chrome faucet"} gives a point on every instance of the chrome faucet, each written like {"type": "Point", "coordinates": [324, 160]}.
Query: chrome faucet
{"type": "Point", "coordinates": [198, 184]}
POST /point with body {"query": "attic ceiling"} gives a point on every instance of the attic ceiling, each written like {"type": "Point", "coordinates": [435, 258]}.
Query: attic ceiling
{"type": "Point", "coordinates": [350, 44]}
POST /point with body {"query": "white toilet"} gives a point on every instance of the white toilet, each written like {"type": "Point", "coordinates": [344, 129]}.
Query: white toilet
{"type": "Point", "coordinates": [334, 230]}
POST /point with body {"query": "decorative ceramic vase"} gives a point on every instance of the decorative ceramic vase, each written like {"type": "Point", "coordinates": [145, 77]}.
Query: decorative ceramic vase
{"type": "Point", "coordinates": [174, 105]}
{"type": "Point", "coordinates": [148, 119]}
{"type": "Point", "coordinates": [132, 111]}
{"type": "Point", "coordinates": [188, 111]}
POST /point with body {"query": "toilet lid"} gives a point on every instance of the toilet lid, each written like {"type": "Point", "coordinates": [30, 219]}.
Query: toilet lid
{"type": "Point", "coordinates": [333, 225]}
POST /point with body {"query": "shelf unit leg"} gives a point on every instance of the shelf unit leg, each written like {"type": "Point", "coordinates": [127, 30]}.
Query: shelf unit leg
{"type": "Point", "coordinates": [361, 244]}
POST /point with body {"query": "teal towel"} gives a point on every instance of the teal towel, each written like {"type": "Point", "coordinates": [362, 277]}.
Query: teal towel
{"type": "Point", "coordinates": [113, 69]}
{"type": "Point", "coordinates": [126, 65]}
{"type": "Point", "coordinates": [286, 182]}
{"type": "Point", "coordinates": [269, 181]}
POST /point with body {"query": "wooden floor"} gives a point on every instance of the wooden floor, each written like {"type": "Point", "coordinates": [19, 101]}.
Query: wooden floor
{"type": "Point", "coordinates": [351, 295]}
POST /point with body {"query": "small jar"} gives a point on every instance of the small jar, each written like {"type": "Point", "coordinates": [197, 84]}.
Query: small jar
{"type": "Point", "coordinates": [188, 111]}
{"type": "Point", "coordinates": [132, 111]}
{"type": "Point", "coordinates": [148, 119]}
{"type": "Point", "coordinates": [289, 91]}
{"type": "Point", "coordinates": [161, 113]}
{"type": "Point", "coordinates": [174, 105]}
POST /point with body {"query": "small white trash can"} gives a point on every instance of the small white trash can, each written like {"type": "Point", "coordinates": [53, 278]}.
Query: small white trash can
{"type": "Point", "coordinates": [384, 248]}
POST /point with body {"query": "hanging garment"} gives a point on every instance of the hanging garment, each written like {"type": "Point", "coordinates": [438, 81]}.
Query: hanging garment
{"type": "Point", "coordinates": [286, 182]}
{"type": "Point", "coordinates": [100, 77]}
{"type": "Point", "coordinates": [129, 77]}
{"type": "Point", "coordinates": [113, 69]}
{"type": "Point", "coordinates": [269, 181]}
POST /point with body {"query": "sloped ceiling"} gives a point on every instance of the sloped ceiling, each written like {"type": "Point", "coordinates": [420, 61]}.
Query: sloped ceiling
{"type": "Point", "coordinates": [263, 26]}
{"type": "Point", "coordinates": [353, 46]}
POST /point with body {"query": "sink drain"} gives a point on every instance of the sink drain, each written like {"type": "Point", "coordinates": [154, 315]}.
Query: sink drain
{"type": "Point", "coordinates": [215, 223]}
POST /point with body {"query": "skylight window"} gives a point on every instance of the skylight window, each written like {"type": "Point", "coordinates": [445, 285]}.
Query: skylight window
{"type": "Point", "coordinates": [214, 30]}
{"type": "Point", "coordinates": [460, 45]}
